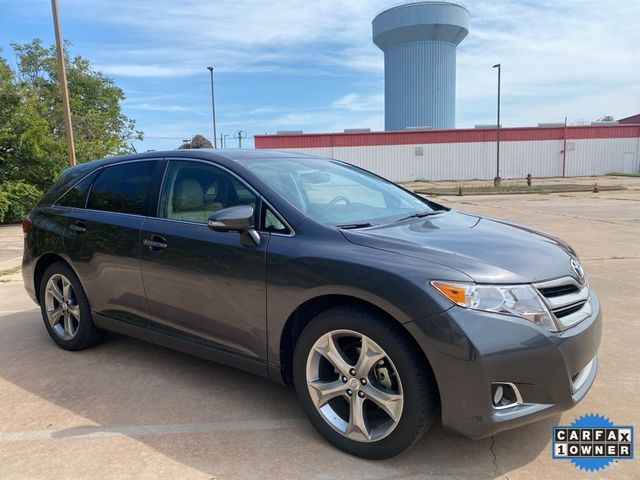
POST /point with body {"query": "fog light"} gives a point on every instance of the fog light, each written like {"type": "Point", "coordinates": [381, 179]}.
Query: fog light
{"type": "Point", "coordinates": [505, 395]}
{"type": "Point", "coordinates": [497, 396]}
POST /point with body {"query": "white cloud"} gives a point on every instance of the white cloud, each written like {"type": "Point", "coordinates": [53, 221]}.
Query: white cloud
{"type": "Point", "coordinates": [357, 102]}
{"type": "Point", "coordinates": [151, 107]}
{"type": "Point", "coordinates": [143, 70]}
{"type": "Point", "coordinates": [288, 36]}
{"type": "Point", "coordinates": [577, 58]}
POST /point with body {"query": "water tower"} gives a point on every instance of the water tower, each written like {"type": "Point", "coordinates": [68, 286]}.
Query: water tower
{"type": "Point", "coordinates": [419, 41]}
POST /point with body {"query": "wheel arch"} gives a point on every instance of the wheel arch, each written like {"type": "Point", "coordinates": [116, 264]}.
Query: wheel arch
{"type": "Point", "coordinates": [307, 311]}
{"type": "Point", "coordinates": [41, 266]}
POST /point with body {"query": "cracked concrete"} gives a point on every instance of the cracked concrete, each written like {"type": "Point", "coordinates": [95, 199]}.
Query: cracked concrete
{"type": "Point", "coordinates": [127, 409]}
{"type": "Point", "coordinates": [493, 454]}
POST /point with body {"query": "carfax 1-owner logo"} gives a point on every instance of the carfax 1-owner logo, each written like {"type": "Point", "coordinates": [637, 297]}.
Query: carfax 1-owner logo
{"type": "Point", "coordinates": [592, 442]}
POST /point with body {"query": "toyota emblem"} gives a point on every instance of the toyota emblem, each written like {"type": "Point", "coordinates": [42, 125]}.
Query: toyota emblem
{"type": "Point", "coordinates": [577, 268]}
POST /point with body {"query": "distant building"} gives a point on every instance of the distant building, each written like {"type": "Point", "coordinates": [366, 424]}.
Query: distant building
{"type": "Point", "coordinates": [633, 119]}
{"type": "Point", "coordinates": [465, 154]}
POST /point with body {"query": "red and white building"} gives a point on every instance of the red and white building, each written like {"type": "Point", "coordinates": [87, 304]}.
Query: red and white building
{"type": "Point", "coordinates": [464, 154]}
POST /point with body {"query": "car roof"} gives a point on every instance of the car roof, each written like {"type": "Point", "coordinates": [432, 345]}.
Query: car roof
{"type": "Point", "coordinates": [220, 155]}
{"type": "Point", "coordinates": [224, 157]}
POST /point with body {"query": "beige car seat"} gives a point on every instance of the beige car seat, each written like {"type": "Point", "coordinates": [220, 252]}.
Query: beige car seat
{"type": "Point", "coordinates": [189, 204]}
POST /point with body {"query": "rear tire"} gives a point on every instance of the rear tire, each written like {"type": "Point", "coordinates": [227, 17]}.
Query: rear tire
{"type": "Point", "coordinates": [65, 309]}
{"type": "Point", "coordinates": [374, 405]}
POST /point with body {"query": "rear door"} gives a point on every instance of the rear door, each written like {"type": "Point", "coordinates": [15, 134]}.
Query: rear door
{"type": "Point", "coordinates": [205, 289]}
{"type": "Point", "coordinates": [103, 242]}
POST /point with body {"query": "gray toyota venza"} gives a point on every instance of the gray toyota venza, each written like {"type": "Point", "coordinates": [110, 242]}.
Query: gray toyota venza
{"type": "Point", "coordinates": [383, 309]}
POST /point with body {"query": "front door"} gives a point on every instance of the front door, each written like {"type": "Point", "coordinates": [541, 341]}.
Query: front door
{"type": "Point", "coordinates": [205, 289]}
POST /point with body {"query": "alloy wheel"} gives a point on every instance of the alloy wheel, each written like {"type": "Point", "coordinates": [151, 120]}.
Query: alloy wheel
{"type": "Point", "coordinates": [61, 303]}
{"type": "Point", "coordinates": [354, 385]}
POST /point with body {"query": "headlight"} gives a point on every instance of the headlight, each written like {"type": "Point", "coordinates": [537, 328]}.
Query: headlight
{"type": "Point", "coordinates": [520, 300]}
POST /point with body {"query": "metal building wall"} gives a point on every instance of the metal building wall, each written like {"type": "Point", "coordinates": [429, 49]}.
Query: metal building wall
{"type": "Point", "coordinates": [471, 153]}
{"type": "Point", "coordinates": [476, 160]}
{"type": "Point", "coordinates": [597, 156]}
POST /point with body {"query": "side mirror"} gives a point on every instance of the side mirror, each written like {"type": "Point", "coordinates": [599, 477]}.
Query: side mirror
{"type": "Point", "coordinates": [237, 219]}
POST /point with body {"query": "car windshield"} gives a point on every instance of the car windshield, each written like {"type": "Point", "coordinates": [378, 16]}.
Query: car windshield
{"type": "Point", "coordinates": [335, 193]}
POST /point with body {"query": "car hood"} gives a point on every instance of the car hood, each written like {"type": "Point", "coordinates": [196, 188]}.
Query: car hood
{"type": "Point", "coordinates": [487, 250]}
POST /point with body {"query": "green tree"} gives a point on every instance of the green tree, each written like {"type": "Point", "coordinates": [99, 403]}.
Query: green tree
{"type": "Point", "coordinates": [32, 136]}
{"type": "Point", "coordinates": [199, 141]}
{"type": "Point", "coordinates": [16, 199]}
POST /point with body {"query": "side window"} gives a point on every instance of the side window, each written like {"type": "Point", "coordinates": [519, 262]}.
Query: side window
{"type": "Point", "coordinates": [76, 196]}
{"type": "Point", "coordinates": [272, 223]}
{"type": "Point", "coordinates": [192, 191]}
{"type": "Point", "coordinates": [123, 188]}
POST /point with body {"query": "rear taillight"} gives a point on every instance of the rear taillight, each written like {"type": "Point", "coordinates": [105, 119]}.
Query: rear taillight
{"type": "Point", "coordinates": [26, 224]}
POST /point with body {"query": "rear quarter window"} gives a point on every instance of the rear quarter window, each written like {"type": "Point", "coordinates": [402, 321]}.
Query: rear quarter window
{"type": "Point", "coordinates": [76, 196]}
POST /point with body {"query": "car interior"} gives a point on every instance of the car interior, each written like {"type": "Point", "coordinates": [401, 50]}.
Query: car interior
{"type": "Point", "coordinates": [194, 193]}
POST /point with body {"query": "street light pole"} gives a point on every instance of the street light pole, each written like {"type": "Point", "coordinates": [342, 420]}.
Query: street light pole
{"type": "Point", "coordinates": [66, 111]}
{"type": "Point", "coordinates": [213, 110]}
{"type": "Point", "coordinates": [497, 180]}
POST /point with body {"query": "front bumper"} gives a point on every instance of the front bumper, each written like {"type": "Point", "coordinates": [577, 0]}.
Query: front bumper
{"type": "Point", "coordinates": [469, 350]}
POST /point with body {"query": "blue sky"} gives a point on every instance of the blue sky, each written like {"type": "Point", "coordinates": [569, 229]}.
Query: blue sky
{"type": "Point", "coordinates": [289, 64]}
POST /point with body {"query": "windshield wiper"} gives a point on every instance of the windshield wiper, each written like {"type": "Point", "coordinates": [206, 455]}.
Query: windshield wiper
{"type": "Point", "coordinates": [426, 213]}
{"type": "Point", "coordinates": [348, 226]}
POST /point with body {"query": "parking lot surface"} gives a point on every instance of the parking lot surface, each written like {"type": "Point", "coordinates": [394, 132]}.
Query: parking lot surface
{"type": "Point", "coordinates": [127, 409]}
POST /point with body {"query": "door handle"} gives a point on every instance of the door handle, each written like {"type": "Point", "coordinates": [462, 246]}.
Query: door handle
{"type": "Point", "coordinates": [78, 227]}
{"type": "Point", "coordinates": [155, 243]}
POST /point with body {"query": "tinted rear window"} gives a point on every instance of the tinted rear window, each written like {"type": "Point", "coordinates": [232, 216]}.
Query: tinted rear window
{"type": "Point", "coordinates": [123, 188]}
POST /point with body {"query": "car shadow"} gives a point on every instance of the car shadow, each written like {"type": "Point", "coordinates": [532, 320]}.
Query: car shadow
{"type": "Point", "coordinates": [215, 419]}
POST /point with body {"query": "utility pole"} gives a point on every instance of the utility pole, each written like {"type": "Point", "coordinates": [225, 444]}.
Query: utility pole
{"type": "Point", "coordinates": [564, 149]}
{"type": "Point", "coordinates": [213, 110]}
{"type": "Point", "coordinates": [239, 135]}
{"type": "Point", "coordinates": [71, 151]}
{"type": "Point", "coordinates": [497, 180]}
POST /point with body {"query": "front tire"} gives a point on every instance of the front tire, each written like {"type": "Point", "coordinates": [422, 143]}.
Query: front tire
{"type": "Point", "coordinates": [362, 383]}
{"type": "Point", "coordinates": [65, 309]}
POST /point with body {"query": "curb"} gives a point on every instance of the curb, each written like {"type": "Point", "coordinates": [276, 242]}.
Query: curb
{"type": "Point", "coordinates": [539, 192]}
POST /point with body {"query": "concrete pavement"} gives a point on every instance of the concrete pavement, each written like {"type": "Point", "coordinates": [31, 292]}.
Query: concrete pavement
{"type": "Point", "coordinates": [127, 409]}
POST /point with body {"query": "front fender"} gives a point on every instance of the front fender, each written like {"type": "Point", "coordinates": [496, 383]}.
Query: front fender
{"type": "Point", "coordinates": [299, 270]}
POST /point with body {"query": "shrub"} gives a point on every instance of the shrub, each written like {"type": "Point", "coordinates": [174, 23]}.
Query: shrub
{"type": "Point", "coordinates": [16, 199]}
{"type": "Point", "coordinates": [4, 207]}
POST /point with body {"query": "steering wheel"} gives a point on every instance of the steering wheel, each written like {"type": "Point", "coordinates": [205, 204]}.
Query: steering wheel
{"type": "Point", "coordinates": [340, 198]}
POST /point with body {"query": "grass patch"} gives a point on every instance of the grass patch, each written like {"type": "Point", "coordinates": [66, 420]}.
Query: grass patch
{"type": "Point", "coordinates": [620, 174]}
{"type": "Point", "coordinates": [9, 271]}
{"type": "Point", "coordinates": [518, 188]}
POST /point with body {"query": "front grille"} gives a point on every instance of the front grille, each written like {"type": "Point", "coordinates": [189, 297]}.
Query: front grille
{"type": "Point", "coordinates": [558, 291]}
{"type": "Point", "coordinates": [567, 299]}
{"type": "Point", "coordinates": [560, 313]}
